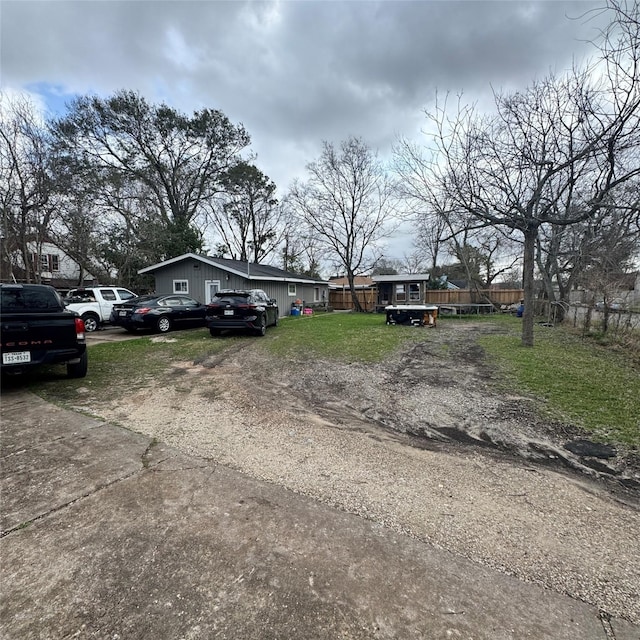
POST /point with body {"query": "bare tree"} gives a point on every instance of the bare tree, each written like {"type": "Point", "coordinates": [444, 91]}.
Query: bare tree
{"type": "Point", "coordinates": [555, 154]}
{"type": "Point", "coordinates": [432, 234]}
{"type": "Point", "coordinates": [565, 256]}
{"type": "Point", "coordinates": [300, 249]}
{"type": "Point", "coordinates": [347, 204]}
{"type": "Point", "coordinates": [27, 187]}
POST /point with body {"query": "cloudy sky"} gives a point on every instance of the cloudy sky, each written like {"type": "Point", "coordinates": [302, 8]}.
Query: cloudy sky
{"type": "Point", "coordinates": [295, 72]}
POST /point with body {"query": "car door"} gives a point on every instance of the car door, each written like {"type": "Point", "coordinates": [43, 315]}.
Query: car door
{"type": "Point", "coordinates": [106, 301]}
{"type": "Point", "coordinates": [174, 308]}
{"type": "Point", "coordinates": [194, 311]}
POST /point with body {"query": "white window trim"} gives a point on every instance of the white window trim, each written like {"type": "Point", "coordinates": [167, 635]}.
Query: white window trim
{"type": "Point", "coordinates": [294, 293]}
{"type": "Point", "coordinates": [175, 284]}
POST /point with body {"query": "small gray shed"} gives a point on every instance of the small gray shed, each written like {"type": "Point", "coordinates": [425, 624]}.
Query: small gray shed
{"type": "Point", "coordinates": [201, 276]}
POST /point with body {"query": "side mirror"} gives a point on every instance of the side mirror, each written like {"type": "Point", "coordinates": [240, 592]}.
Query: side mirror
{"type": "Point", "coordinates": [273, 301]}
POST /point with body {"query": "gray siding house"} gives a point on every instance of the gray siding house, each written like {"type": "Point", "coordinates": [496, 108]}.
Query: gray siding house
{"type": "Point", "coordinates": [202, 276]}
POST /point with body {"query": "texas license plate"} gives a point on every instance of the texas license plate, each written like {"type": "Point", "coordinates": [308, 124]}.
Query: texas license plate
{"type": "Point", "coordinates": [122, 313]}
{"type": "Point", "coordinates": [228, 312]}
{"type": "Point", "coordinates": [16, 357]}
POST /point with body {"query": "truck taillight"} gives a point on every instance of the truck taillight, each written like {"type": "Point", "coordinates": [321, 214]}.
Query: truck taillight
{"type": "Point", "coordinates": [79, 329]}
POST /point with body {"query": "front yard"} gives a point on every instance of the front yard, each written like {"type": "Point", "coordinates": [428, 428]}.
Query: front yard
{"type": "Point", "coordinates": [568, 378]}
{"type": "Point", "coordinates": [454, 435]}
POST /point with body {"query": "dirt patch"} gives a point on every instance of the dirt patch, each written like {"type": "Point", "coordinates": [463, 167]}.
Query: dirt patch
{"type": "Point", "coordinates": [422, 443]}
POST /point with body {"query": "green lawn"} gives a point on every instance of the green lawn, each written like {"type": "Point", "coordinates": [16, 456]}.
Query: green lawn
{"type": "Point", "coordinates": [587, 384]}
{"type": "Point", "coordinates": [347, 337]}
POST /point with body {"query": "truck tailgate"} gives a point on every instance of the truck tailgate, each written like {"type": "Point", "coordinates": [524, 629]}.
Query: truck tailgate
{"type": "Point", "coordinates": [44, 337]}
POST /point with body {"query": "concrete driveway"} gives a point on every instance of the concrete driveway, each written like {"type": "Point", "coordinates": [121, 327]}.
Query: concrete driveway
{"type": "Point", "coordinates": [110, 334]}
{"type": "Point", "coordinates": [109, 534]}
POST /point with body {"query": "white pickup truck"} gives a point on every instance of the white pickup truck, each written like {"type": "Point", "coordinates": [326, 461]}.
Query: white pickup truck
{"type": "Point", "coordinates": [94, 304]}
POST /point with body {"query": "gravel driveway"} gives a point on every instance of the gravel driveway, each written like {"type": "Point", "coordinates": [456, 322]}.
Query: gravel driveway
{"type": "Point", "coordinates": [421, 443]}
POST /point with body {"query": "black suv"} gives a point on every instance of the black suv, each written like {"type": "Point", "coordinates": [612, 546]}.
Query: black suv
{"type": "Point", "coordinates": [249, 309]}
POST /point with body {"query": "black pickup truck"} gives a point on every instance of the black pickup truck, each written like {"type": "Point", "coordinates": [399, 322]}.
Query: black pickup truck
{"type": "Point", "coordinates": [37, 330]}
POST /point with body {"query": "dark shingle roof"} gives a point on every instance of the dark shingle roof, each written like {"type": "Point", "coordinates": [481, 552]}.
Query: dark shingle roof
{"type": "Point", "coordinates": [241, 267]}
{"type": "Point", "coordinates": [257, 270]}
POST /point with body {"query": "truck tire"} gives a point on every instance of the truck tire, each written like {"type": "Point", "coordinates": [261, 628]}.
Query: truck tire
{"type": "Point", "coordinates": [91, 322]}
{"type": "Point", "coordinates": [78, 369]}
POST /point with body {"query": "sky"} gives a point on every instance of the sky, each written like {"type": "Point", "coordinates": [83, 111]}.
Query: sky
{"type": "Point", "coordinates": [295, 73]}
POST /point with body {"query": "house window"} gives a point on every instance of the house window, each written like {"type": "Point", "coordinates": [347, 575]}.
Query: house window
{"type": "Point", "coordinates": [180, 286]}
{"type": "Point", "coordinates": [316, 294]}
{"type": "Point", "coordinates": [292, 289]}
{"type": "Point", "coordinates": [414, 292]}
{"type": "Point", "coordinates": [45, 262]}
{"type": "Point", "coordinates": [401, 294]}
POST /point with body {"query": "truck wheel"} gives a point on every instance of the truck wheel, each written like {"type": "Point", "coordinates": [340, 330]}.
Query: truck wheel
{"type": "Point", "coordinates": [163, 324]}
{"type": "Point", "coordinates": [78, 369]}
{"type": "Point", "coordinates": [91, 322]}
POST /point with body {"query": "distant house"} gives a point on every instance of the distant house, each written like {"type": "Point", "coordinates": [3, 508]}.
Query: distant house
{"type": "Point", "coordinates": [202, 276]}
{"type": "Point", "coordinates": [52, 265]}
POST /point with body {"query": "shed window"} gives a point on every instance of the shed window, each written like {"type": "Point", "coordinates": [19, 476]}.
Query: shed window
{"type": "Point", "coordinates": [401, 294]}
{"type": "Point", "coordinates": [180, 286]}
{"type": "Point", "coordinates": [292, 289]}
{"type": "Point", "coordinates": [414, 292]}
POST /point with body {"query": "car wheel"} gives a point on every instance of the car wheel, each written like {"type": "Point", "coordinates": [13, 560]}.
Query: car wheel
{"type": "Point", "coordinates": [78, 369]}
{"type": "Point", "coordinates": [91, 322]}
{"type": "Point", "coordinates": [163, 324]}
{"type": "Point", "coordinates": [214, 332]}
{"type": "Point", "coordinates": [262, 329]}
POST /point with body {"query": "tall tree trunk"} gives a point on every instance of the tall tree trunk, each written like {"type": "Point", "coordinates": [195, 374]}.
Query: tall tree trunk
{"type": "Point", "coordinates": [530, 235]}
{"type": "Point", "coordinates": [354, 294]}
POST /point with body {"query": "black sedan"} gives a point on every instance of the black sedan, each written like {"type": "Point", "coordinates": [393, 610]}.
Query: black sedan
{"type": "Point", "coordinates": [161, 313]}
{"type": "Point", "coordinates": [250, 310]}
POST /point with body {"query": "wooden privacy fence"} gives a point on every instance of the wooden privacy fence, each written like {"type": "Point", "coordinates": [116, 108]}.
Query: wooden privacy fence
{"type": "Point", "coordinates": [340, 299]}
{"type": "Point", "coordinates": [473, 296]}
